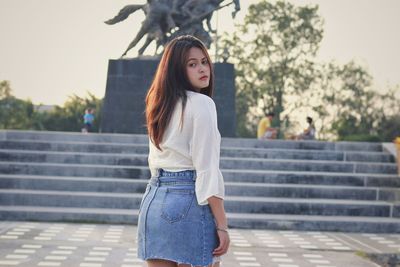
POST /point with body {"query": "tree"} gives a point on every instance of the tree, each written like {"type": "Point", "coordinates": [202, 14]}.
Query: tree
{"type": "Point", "coordinates": [14, 113]}
{"type": "Point", "coordinates": [351, 108]}
{"type": "Point", "coordinates": [273, 52]}
{"type": "Point", "coordinates": [388, 123]}
{"type": "Point", "coordinates": [70, 116]}
{"type": "Point", "coordinates": [22, 114]}
{"type": "Point", "coordinates": [5, 89]}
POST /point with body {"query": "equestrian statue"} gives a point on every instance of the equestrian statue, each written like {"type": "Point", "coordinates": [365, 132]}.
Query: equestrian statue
{"type": "Point", "coordinates": [166, 19]}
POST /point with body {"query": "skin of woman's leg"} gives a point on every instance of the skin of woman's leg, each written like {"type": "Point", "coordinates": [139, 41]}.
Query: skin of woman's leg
{"type": "Point", "coordinates": [160, 263]}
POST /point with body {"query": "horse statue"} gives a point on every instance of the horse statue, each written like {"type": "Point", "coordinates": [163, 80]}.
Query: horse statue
{"type": "Point", "coordinates": [166, 19]}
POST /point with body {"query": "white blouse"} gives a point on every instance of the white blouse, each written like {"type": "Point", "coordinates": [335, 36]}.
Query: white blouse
{"type": "Point", "coordinates": [195, 146]}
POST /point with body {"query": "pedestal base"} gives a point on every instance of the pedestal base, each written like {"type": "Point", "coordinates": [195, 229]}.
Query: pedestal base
{"type": "Point", "coordinates": [128, 81]}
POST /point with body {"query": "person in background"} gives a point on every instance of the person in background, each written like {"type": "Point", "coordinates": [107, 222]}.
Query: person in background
{"type": "Point", "coordinates": [88, 119]}
{"type": "Point", "coordinates": [309, 132]}
{"type": "Point", "coordinates": [265, 131]}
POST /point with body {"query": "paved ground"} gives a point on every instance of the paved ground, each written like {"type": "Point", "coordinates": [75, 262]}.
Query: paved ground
{"type": "Point", "coordinates": [32, 244]}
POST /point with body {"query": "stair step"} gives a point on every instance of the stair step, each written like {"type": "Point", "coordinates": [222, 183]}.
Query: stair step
{"type": "Point", "coordinates": [304, 191]}
{"type": "Point", "coordinates": [53, 198]}
{"type": "Point", "coordinates": [75, 146]}
{"type": "Point", "coordinates": [121, 158]}
{"type": "Point", "coordinates": [225, 151]}
{"type": "Point", "coordinates": [314, 223]}
{"type": "Point", "coordinates": [322, 178]}
{"type": "Point", "coordinates": [226, 163]}
{"type": "Point", "coordinates": [235, 220]}
{"type": "Point", "coordinates": [116, 185]}
{"type": "Point", "coordinates": [308, 145]}
{"type": "Point", "coordinates": [74, 136]}
{"type": "Point", "coordinates": [240, 175]}
{"type": "Point", "coordinates": [301, 154]}
{"type": "Point", "coordinates": [67, 214]}
{"type": "Point", "coordinates": [57, 169]}
{"type": "Point", "coordinates": [244, 204]}
{"type": "Point", "coordinates": [286, 185]}
{"type": "Point", "coordinates": [231, 142]}
{"type": "Point", "coordinates": [8, 155]}
{"type": "Point", "coordinates": [85, 184]}
{"type": "Point", "coordinates": [307, 165]}
{"type": "Point", "coordinates": [327, 207]}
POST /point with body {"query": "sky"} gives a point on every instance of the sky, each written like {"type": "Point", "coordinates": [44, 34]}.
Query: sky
{"type": "Point", "coordinates": [52, 49]}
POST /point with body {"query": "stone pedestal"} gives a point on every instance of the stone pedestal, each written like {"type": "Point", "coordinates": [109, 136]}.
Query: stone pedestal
{"type": "Point", "coordinates": [128, 81]}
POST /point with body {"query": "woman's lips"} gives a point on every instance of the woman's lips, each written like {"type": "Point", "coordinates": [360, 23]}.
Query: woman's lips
{"type": "Point", "coordinates": [205, 77]}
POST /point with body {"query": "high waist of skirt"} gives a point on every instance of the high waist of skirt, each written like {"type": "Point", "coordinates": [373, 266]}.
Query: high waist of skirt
{"type": "Point", "coordinates": [167, 178]}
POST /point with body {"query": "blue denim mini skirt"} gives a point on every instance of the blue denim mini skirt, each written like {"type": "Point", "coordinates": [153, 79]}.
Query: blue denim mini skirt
{"type": "Point", "coordinates": [171, 225]}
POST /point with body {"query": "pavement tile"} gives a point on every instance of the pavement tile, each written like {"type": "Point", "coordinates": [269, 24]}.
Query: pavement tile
{"type": "Point", "coordinates": [89, 245]}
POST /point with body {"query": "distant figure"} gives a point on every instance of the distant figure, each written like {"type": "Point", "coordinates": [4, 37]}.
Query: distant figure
{"type": "Point", "coordinates": [265, 131]}
{"type": "Point", "coordinates": [88, 119]}
{"type": "Point", "coordinates": [396, 142]}
{"type": "Point", "coordinates": [309, 132]}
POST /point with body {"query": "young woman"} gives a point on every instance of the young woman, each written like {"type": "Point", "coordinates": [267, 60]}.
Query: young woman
{"type": "Point", "coordinates": [182, 220]}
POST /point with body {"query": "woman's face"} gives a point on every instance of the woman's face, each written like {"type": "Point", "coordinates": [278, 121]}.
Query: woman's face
{"type": "Point", "coordinates": [198, 69]}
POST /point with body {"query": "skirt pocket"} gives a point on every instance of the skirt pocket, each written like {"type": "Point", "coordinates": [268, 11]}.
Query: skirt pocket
{"type": "Point", "coordinates": [176, 204]}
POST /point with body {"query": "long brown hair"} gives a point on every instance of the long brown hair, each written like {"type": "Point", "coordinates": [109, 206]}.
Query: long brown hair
{"type": "Point", "coordinates": [170, 84]}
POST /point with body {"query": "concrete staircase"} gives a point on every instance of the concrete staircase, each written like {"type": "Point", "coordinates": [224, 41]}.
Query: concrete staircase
{"type": "Point", "coordinates": [308, 185]}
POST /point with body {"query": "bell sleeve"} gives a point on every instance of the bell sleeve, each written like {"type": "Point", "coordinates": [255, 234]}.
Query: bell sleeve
{"type": "Point", "coordinates": [205, 151]}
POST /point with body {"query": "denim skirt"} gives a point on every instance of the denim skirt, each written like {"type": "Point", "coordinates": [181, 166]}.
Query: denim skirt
{"type": "Point", "coordinates": [171, 225]}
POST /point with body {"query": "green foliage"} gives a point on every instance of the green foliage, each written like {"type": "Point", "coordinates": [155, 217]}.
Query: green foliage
{"type": "Point", "coordinates": [388, 114]}
{"type": "Point", "coordinates": [21, 114]}
{"type": "Point", "coordinates": [354, 109]}
{"type": "Point", "coordinates": [5, 89]}
{"type": "Point", "coordinates": [346, 96]}
{"type": "Point", "coordinates": [14, 113]}
{"type": "Point", "coordinates": [70, 116]}
{"type": "Point", "coordinates": [273, 53]}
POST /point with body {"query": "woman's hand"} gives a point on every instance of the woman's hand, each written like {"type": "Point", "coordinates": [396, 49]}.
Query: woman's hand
{"type": "Point", "coordinates": [217, 209]}
{"type": "Point", "coordinates": [224, 242]}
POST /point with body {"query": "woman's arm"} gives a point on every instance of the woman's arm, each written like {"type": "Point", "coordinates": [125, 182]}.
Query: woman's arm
{"type": "Point", "coordinates": [218, 210]}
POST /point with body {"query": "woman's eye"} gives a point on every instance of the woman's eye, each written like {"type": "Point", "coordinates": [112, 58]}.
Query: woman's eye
{"type": "Point", "coordinates": [205, 62]}
{"type": "Point", "coordinates": [192, 64]}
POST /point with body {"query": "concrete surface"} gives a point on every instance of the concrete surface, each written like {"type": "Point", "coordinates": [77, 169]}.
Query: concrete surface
{"type": "Point", "coordinates": [31, 244]}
